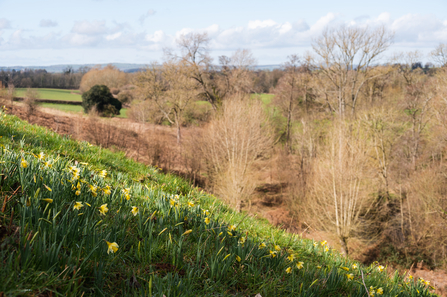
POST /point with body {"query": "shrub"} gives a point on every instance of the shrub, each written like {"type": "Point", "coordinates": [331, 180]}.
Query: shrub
{"type": "Point", "coordinates": [30, 101]}
{"type": "Point", "coordinates": [100, 98]}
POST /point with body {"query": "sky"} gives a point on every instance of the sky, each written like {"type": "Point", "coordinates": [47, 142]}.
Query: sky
{"type": "Point", "coordinates": [49, 32]}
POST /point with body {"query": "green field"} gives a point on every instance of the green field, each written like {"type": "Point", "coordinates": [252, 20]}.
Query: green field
{"type": "Point", "coordinates": [76, 108]}
{"type": "Point", "coordinates": [69, 228]}
{"type": "Point", "coordinates": [54, 94]}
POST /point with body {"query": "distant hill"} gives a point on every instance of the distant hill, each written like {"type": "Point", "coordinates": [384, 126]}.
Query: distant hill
{"type": "Point", "coordinates": [121, 66]}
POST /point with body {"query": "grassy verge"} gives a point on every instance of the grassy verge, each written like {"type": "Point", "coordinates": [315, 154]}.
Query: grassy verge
{"type": "Point", "coordinates": [78, 219]}
{"type": "Point", "coordinates": [53, 94]}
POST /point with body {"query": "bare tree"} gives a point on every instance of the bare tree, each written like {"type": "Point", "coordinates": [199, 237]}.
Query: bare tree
{"type": "Point", "coordinates": [233, 142]}
{"type": "Point", "coordinates": [346, 55]}
{"type": "Point", "coordinates": [236, 72]}
{"type": "Point", "coordinates": [340, 189]}
{"type": "Point", "coordinates": [439, 54]}
{"type": "Point", "coordinates": [194, 49]}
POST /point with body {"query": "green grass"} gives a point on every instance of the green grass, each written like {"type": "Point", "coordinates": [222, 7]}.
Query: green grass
{"type": "Point", "coordinates": [168, 248]}
{"type": "Point", "coordinates": [76, 108]}
{"type": "Point", "coordinates": [54, 94]}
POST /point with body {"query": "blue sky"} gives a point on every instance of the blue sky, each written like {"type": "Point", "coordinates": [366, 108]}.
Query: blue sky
{"type": "Point", "coordinates": [47, 32]}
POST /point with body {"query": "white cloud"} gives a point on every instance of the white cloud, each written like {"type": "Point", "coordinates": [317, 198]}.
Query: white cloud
{"type": "Point", "coordinates": [90, 28]}
{"type": "Point", "coordinates": [113, 36]}
{"type": "Point", "coordinates": [143, 17]}
{"type": "Point", "coordinates": [47, 23]}
{"type": "Point", "coordinates": [4, 24]}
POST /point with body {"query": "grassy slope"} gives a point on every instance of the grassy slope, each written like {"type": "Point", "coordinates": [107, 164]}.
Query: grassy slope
{"type": "Point", "coordinates": [54, 94]}
{"type": "Point", "coordinates": [58, 250]}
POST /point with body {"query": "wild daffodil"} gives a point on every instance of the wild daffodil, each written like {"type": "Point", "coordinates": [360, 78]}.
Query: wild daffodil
{"type": "Point", "coordinates": [190, 203]}
{"type": "Point", "coordinates": [107, 190]}
{"type": "Point", "coordinates": [299, 265]}
{"type": "Point", "coordinates": [78, 192]}
{"type": "Point", "coordinates": [241, 240]}
{"type": "Point", "coordinates": [350, 276]}
{"type": "Point", "coordinates": [277, 248]}
{"type": "Point", "coordinates": [324, 242]}
{"type": "Point", "coordinates": [355, 266]}
{"type": "Point", "coordinates": [380, 268]}
{"type": "Point", "coordinates": [238, 258]}
{"type": "Point", "coordinates": [78, 205]}
{"type": "Point", "coordinates": [134, 210]}
{"type": "Point", "coordinates": [232, 227]}
{"type": "Point", "coordinates": [379, 291]}
{"type": "Point", "coordinates": [291, 257]}
{"type": "Point", "coordinates": [207, 220]}
{"type": "Point", "coordinates": [40, 156]}
{"type": "Point", "coordinates": [103, 209]}
{"type": "Point", "coordinates": [24, 163]}
{"type": "Point", "coordinates": [273, 254]}
{"type": "Point", "coordinates": [289, 270]}
{"type": "Point", "coordinates": [112, 247]}
{"type": "Point", "coordinates": [103, 173]}
{"type": "Point", "coordinates": [262, 245]}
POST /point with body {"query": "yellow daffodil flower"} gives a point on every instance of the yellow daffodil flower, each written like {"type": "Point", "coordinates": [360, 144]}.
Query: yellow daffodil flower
{"type": "Point", "coordinates": [241, 240]}
{"type": "Point", "coordinates": [103, 173]}
{"type": "Point", "coordinates": [315, 244]}
{"type": "Point", "coordinates": [238, 258]}
{"type": "Point", "coordinates": [103, 209]}
{"type": "Point", "coordinates": [78, 192]}
{"type": "Point", "coordinates": [380, 268]}
{"type": "Point", "coordinates": [299, 265]}
{"type": "Point", "coordinates": [326, 249]}
{"type": "Point", "coordinates": [262, 245]}
{"type": "Point", "coordinates": [40, 156]}
{"type": "Point", "coordinates": [371, 291]}
{"type": "Point", "coordinates": [24, 163]}
{"type": "Point", "coordinates": [324, 242]}
{"type": "Point", "coordinates": [355, 266]}
{"type": "Point", "coordinates": [78, 205]}
{"type": "Point", "coordinates": [289, 270]}
{"type": "Point", "coordinates": [48, 200]}
{"type": "Point", "coordinates": [190, 203]}
{"type": "Point", "coordinates": [134, 210]}
{"type": "Point", "coordinates": [232, 227]}
{"type": "Point", "coordinates": [107, 190]}
{"type": "Point", "coordinates": [350, 276]}
{"type": "Point", "coordinates": [277, 248]}
{"type": "Point", "coordinates": [112, 247]}
{"type": "Point", "coordinates": [273, 254]}
{"type": "Point", "coordinates": [291, 258]}
{"type": "Point", "coordinates": [379, 291]}
{"type": "Point", "coordinates": [172, 202]}
{"type": "Point", "coordinates": [410, 276]}
{"type": "Point", "coordinates": [207, 221]}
